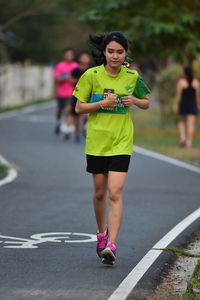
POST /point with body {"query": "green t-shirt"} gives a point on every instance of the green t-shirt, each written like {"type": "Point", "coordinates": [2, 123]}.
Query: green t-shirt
{"type": "Point", "coordinates": [109, 132]}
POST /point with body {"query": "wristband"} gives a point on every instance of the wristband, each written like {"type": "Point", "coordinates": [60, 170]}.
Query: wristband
{"type": "Point", "coordinates": [101, 105]}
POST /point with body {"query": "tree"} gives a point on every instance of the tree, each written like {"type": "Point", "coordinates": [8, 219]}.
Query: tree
{"type": "Point", "coordinates": [15, 11]}
{"type": "Point", "coordinates": [156, 28]}
{"type": "Point", "coordinates": [43, 28]}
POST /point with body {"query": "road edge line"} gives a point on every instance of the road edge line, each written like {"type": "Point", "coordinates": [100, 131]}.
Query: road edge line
{"type": "Point", "coordinates": [168, 159]}
{"type": "Point", "coordinates": [26, 110]}
{"type": "Point", "coordinates": [125, 287]}
{"type": "Point", "coordinates": [12, 172]}
{"type": "Point", "coordinates": [130, 281]}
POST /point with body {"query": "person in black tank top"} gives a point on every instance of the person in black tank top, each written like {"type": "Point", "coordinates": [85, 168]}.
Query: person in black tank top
{"type": "Point", "coordinates": [187, 102]}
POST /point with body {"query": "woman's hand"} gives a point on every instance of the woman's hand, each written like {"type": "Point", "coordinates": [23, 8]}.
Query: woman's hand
{"type": "Point", "coordinates": [109, 102]}
{"type": "Point", "coordinates": [128, 100]}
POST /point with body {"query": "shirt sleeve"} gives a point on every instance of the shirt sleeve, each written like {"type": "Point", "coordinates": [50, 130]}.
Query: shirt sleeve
{"type": "Point", "coordinates": [57, 71]}
{"type": "Point", "coordinates": [141, 89]}
{"type": "Point", "coordinates": [83, 88]}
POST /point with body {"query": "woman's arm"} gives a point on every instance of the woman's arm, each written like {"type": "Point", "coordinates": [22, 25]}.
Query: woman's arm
{"type": "Point", "coordinates": [197, 87]}
{"type": "Point", "coordinates": [63, 78]}
{"type": "Point", "coordinates": [198, 98]}
{"type": "Point", "coordinates": [130, 100]}
{"type": "Point", "coordinates": [85, 107]}
{"type": "Point", "coordinates": [73, 80]}
{"type": "Point", "coordinates": [179, 88]}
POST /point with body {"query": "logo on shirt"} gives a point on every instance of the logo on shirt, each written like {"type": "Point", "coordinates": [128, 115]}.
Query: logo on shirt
{"type": "Point", "coordinates": [130, 72]}
{"type": "Point", "coordinates": [128, 88]}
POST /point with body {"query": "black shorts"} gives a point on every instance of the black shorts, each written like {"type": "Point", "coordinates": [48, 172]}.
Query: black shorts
{"type": "Point", "coordinates": [73, 106]}
{"type": "Point", "coordinates": [104, 164]}
{"type": "Point", "coordinates": [63, 102]}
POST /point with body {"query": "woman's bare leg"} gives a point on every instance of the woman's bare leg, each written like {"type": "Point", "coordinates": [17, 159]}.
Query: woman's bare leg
{"type": "Point", "coordinates": [99, 200]}
{"type": "Point", "coordinates": [190, 129]}
{"type": "Point", "coordinates": [182, 128]}
{"type": "Point", "coordinates": [77, 124]}
{"type": "Point", "coordinates": [116, 182]}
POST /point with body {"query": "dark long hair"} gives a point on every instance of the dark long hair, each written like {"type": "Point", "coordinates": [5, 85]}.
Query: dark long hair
{"type": "Point", "coordinates": [99, 43]}
{"type": "Point", "coordinates": [189, 74]}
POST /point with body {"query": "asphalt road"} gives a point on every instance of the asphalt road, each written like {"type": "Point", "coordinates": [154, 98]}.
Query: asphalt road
{"type": "Point", "coordinates": [52, 194]}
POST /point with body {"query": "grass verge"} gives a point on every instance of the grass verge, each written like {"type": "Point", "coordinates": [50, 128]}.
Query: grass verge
{"type": "Point", "coordinates": [193, 287]}
{"type": "Point", "coordinates": [20, 106]}
{"type": "Point", "coordinates": [3, 170]}
{"type": "Point", "coordinates": [150, 135]}
{"type": "Point", "coordinates": [178, 252]}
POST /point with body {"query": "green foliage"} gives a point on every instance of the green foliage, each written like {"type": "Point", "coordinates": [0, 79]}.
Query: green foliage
{"type": "Point", "coordinates": [178, 252]}
{"type": "Point", "coordinates": [149, 135]}
{"type": "Point", "coordinates": [44, 28]}
{"type": "Point", "coordinates": [196, 66]}
{"type": "Point", "coordinates": [3, 170]}
{"type": "Point", "coordinates": [193, 287]}
{"type": "Point", "coordinates": [155, 28]}
{"type": "Point", "coordinates": [166, 80]}
{"type": "Point", "coordinates": [189, 296]}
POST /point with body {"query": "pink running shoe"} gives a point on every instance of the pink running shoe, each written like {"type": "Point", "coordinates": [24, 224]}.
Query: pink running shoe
{"type": "Point", "coordinates": [102, 239]}
{"type": "Point", "coordinates": [108, 255]}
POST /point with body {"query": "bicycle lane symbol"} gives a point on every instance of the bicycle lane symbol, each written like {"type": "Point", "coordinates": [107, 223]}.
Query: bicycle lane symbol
{"type": "Point", "coordinates": [40, 238]}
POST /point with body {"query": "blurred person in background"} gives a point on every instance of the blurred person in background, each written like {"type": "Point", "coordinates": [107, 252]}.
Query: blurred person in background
{"type": "Point", "coordinates": [84, 62]}
{"type": "Point", "coordinates": [187, 103]}
{"type": "Point", "coordinates": [64, 88]}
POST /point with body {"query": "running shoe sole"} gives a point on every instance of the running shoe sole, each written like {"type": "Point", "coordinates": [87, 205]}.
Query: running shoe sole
{"type": "Point", "coordinates": [107, 257]}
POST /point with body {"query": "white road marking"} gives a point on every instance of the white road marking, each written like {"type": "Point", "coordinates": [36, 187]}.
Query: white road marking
{"type": "Point", "coordinates": [128, 284]}
{"type": "Point", "coordinates": [167, 159]}
{"type": "Point", "coordinates": [40, 238]}
{"type": "Point", "coordinates": [26, 110]}
{"type": "Point", "coordinates": [12, 173]}
{"type": "Point", "coordinates": [36, 119]}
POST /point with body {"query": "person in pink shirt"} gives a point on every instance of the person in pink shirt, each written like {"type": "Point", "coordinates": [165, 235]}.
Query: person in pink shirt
{"type": "Point", "coordinates": [64, 87]}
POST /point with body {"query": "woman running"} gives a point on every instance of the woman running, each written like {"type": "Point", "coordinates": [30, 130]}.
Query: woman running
{"type": "Point", "coordinates": [107, 92]}
{"type": "Point", "coordinates": [187, 102]}
{"type": "Point", "coordinates": [84, 61]}
{"type": "Point", "coordinates": [64, 88]}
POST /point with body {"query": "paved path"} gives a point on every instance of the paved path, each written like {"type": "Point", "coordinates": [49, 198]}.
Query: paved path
{"type": "Point", "coordinates": [52, 194]}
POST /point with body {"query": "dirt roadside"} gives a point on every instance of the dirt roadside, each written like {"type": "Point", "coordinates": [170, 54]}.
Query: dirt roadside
{"type": "Point", "coordinates": [175, 283]}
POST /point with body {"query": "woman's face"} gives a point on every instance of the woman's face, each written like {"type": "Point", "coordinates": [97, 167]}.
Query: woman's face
{"type": "Point", "coordinates": [115, 54]}
{"type": "Point", "coordinates": [84, 59]}
{"type": "Point", "coordinates": [69, 56]}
